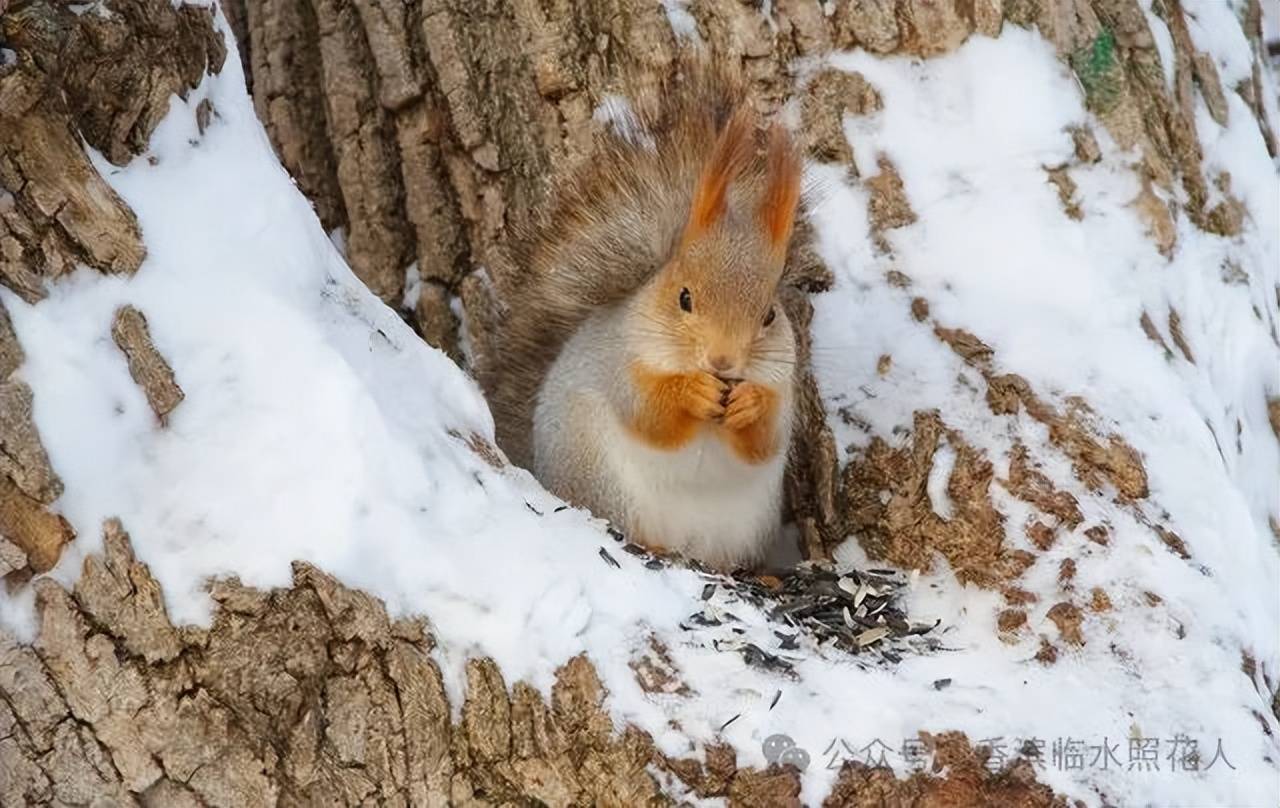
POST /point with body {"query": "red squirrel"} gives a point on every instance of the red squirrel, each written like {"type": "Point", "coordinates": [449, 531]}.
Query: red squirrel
{"type": "Point", "coordinates": [652, 361]}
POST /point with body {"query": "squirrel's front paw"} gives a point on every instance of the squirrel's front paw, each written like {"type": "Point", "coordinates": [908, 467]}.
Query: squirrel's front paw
{"type": "Point", "coordinates": [703, 396]}
{"type": "Point", "coordinates": [748, 404]}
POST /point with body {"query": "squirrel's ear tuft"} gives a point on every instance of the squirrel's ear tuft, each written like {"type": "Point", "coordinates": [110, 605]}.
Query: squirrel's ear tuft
{"type": "Point", "coordinates": [733, 151]}
{"type": "Point", "coordinates": [782, 191]}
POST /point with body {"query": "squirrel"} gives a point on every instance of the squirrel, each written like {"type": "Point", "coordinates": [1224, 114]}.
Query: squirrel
{"type": "Point", "coordinates": [651, 362]}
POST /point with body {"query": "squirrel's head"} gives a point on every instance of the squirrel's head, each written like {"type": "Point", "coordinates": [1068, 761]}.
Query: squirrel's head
{"type": "Point", "coordinates": [714, 306]}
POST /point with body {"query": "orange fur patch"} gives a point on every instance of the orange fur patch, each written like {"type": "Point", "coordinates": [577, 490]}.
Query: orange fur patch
{"type": "Point", "coordinates": [673, 406]}
{"type": "Point", "coordinates": [782, 190]}
{"type": "Point", "coordinates": [750, 422]}
{"type": "Point", "coordinates": [733, 151]}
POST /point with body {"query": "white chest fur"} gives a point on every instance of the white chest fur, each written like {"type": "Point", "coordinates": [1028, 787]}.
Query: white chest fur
{"type": "Point", "coordinates": [701, 499]}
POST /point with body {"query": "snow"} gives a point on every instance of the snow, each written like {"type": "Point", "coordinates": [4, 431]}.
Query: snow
{"type": "Point", "coordinates": [944, 462]}
{"type": "Point", "coordinates": [317, 426]}
{"type": "Point", "coordinates": [1164, 42]}
{"type": "Point", "coordinates": [681, 21]}
{"type": "Point", "coordinates": [339, 238]}
{"type": "Point", "coordinates": [616, 112]}
{"type": "Point", "coordinates": [412, 285]}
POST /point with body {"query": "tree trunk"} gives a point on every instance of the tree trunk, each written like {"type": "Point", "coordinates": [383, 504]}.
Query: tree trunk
{"type": "Point", "coordinates": [425, 133]}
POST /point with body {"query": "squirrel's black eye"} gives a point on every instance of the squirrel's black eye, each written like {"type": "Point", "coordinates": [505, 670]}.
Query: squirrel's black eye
{"type": "Point", "coordinates": [768, 318]}
{"type": "Point", "coordinates": [686, 301]}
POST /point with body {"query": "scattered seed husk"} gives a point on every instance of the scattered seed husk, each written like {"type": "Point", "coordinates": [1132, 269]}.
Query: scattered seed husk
{"type": "Point", "coordinates": [757, 657]}
{"type": "Point", "coordinates": [609, 559]}
{"type": "Point", "coordinates": [854, 611]}
{"type": "Point", "coordinates": [872, 636]}
{"type": "Point", "coordinates": [924, 628]}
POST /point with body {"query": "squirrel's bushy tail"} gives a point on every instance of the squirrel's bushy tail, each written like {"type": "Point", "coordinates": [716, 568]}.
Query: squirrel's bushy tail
{"type": "Point", "coordinates": [609, 226]}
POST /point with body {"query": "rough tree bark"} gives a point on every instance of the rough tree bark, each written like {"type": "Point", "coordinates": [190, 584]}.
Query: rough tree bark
{"type": "Point", "coordinates": [426, 131]}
